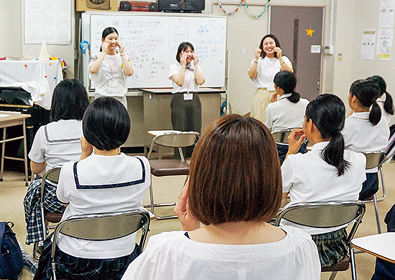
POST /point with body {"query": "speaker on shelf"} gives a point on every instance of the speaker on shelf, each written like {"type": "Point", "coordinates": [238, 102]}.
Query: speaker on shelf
{"type": "Point", "coordinates": [138, 6]}
{"type": "Point", "coordinates": [98, 4]}
{"type": "Point", "coordinates": [125, 6]}
{"type": "Point", "coordinates": [194, 6]}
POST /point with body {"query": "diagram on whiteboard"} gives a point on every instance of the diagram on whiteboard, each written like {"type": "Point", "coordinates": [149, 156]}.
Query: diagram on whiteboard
{"type": "Point", "coordinates": [151, 44]}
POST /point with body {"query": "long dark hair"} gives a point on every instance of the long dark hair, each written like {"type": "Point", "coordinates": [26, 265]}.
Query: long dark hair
{"type": "Point", "coordinates": [263, 54]}
{"type": "Point", "coordinates": [367, 92]}
{"type": "Point", "coordinates": [108, 31]}
{"type": "Point", "coordinates": [286, 80]}
{"type": "Point", "coordinates": [327, 112]}
{"type": "Point", "coordinates": [388, 103]}
{"type": "Point", "coordinates": [183, 47]}
{"type": "Point", "coordinates": [69, 101]}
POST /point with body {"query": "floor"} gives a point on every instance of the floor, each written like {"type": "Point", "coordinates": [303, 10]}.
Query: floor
{"type": "Point", "coordinates": [13, 189]}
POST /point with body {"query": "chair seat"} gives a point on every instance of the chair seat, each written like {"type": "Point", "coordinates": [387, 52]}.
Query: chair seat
{"type": "Point", "coordinates": [340, 266]}
{"type": "Point", "coordinates": [169, 167]}
{"type": "Point", "coordinates": [53, 217]}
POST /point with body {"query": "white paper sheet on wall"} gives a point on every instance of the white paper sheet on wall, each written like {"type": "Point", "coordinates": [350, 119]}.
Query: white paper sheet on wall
{"type": "Point", "coordinates": [386, 18]}
{"type": "Point", "coordinates": [384, 44]}
{"type": "Point", "coordinates": [47, 20]}
{"type": "Point", "coordinates": [368, 44]}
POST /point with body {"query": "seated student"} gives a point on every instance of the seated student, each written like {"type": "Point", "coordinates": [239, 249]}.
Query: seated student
{"type": "Point", "coordinates": [365, 130]}
{"type": "Point", "coordinates": [385, 99]}
{"type": "Point", "coordinates": [234, 189]}
{"type": "Point", "coordinates": [54, 144]}
{"type": "Point", "coordinates": [288, 111]}
{"type": "Point", "coordinates": [326, 173]}
{"type": "Point", "coordinates": [106, 127]}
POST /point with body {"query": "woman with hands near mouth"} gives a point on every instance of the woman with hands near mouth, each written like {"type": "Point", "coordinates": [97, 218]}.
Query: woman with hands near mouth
{"type": "Point", "coordinates": [268, 61]}
{"type": "Point", "coordinates": [109, 69]}
{"type": "Point", "coordinates": [327, 173]}
{"type": "Point", "coordinates": [186, 109]}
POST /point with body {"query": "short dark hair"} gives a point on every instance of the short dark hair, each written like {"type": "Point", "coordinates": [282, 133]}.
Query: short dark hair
{"type": "Point", "coordinates": [235, 173]}
{"type": "Point", "coordinates": [69, 101]}
{"type": "Point", "coordinates": [367, 92]}
{"type": "Point", "coordinates": [106, 124]}
{"type": "Point", "coordinates": [286, 80]}
{"type": "Point", "coordinates": [328, 113]}
{"type": "Point", "coordinates": [263, 54]}
{"type": "Point", "coordinates": [182, 47]}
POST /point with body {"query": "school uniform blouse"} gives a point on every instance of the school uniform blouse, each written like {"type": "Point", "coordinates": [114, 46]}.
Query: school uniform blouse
{"type": "Point", "coordinates": [110, 80]}
{"type": "Point", "coordinates": [172, 255]}
{"type": "Point", "coordinates": [360, 135]}
{"type": "Point", "coordinates": [189, 84]}
{"type": "Point", "coordinates": [308, 178]}
{"type": "Point", "coordinates": [284, 114]}
{"type": "Point", "coordinates": [267, 68]}
{"type": "Point", "coordinates": [102, 184]}
{"type": "Point", "coordinates": [56, 143]}
{"type": "Point", "coordinates": [384, 114]}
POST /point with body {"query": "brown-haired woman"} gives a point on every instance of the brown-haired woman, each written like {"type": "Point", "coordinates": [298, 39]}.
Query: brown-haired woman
{"type": "Point", "coordinates": [234, 189]}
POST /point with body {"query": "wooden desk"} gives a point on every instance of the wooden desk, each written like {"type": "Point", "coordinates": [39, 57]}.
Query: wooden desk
{"type": "Point", "coordinates": [379, 245]}
{"type": "Point", "coordinates": [8, 119]}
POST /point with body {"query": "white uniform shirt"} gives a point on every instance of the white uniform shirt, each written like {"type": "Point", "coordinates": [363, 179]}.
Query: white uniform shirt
{"type": "Point", "coordinates": [284, 114]}
{"type": "Point", "coordinates": [361, 136]}
{"type": "Point", "coordinates": [189, 84]}
{"type": "Point", "coordinates": [172, 255]}
{"type": "Point", "coordinates": [110, 80]}
{"type": "Point", "coordinates": [57, 143]}
{"type": "Point", "coordinates": [268, 68]}
{"type": "Point", "coordinates": [105, 184]}
{"type": "Point", "coordinates": [308, 178]}
{"type": "Point", "coordinates": [384, 114]}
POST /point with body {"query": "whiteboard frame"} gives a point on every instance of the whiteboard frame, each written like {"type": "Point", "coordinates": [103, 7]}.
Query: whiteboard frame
{"type": "Point", "coordinates": [86, 32]}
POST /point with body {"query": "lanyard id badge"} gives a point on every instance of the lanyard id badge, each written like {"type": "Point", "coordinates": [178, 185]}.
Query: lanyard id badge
{"type": "Point", "coordinates": [188, 96]}
{"type": "Point", "coordinates": [112, 84]}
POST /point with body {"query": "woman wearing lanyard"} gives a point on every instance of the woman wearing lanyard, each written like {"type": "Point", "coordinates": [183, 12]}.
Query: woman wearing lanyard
{"type": "Point", "coordinates": [186, 110]}
{"type": "Point", "coordinates": [109, 69]}
{"type": "Point", "coordinates": [268, 61]}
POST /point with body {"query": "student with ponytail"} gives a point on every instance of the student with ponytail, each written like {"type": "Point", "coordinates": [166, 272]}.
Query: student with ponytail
{"type": "Point", "coordinates": [385, 99]}
{"type": "Point", "coordinates": [327, 173]}
{"type": "Point", "coordinates": [364, 130]}
{"type": "Point", "coordinates": [288, 111]}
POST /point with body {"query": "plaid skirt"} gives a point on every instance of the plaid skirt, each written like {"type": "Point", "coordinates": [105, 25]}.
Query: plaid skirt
{"type": "Point", "coordinates": [332, 246]}
{"type": "Point", "coordinates": [73, 268]}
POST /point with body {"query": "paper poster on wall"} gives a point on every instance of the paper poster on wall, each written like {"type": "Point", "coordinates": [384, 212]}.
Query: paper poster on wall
{"type": "Point", "coordinates": [47, 20]}
{"type": "Point", "coordinates": [384, 43]}
{"type": "Point", "coordinates": [368, 44]}
{"type": "Point", "coordinates": [386, 18]}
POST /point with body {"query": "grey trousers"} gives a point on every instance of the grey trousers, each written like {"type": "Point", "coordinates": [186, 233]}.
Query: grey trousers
{"type": "Point", "coordinates": [186, 115]}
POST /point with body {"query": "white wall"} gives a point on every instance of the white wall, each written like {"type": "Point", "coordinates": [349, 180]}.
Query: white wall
{"type": "Point", "coordinates": [10, 28]}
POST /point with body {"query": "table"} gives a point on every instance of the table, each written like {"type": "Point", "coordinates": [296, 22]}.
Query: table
{"type": "Point", "coordinates": [9, 119]}
{"type": "Point", "coordinates": [39, 78]}
{"type": "Point", "coordinates": [379, 245]}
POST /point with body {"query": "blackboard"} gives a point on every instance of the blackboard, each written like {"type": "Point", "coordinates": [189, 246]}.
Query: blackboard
{"type": "Point", "coordinates": [152, 39]}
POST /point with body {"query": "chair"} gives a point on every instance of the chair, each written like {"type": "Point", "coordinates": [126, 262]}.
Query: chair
{"type": "Point", "coordinates": [326, 215]}
{"type": "Point", "coordinates": [100, 227]}
{"type": "Point", "coordinates": [281, 136]}
{"type": "Point", "coordinates": [169, 167]}
{"type": "Point", "coordinates": [375, 159]}
{"type": "Point", "coordinates": [388, 154]}
{"type": "Point", "coordinates": [51, 175]}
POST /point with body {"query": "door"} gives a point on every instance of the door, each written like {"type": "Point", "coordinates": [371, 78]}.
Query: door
{"type": "Point", "coordinates": [299, 30]}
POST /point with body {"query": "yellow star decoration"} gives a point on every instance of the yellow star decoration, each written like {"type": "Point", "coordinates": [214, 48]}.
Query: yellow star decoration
{"type": "Point", "coordinates": [310, 32]}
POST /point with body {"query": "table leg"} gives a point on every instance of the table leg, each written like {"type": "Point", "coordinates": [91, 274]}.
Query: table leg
{"type": "Point", "coordinates": [2, 153]}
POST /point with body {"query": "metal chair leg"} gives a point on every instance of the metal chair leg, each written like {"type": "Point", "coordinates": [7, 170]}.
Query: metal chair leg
{"type": "Point", "coordinates": [333, 275]}
{"type": "Point", "coordinates": [382, 184]}
{"type": "Point", "coordinates": [353, 266]}
{"type": "Point", "coordinates": [377, 213]}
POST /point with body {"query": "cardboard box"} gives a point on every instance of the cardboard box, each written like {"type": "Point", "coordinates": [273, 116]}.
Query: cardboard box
{"type": "Point", "coordinates": [96, 5]}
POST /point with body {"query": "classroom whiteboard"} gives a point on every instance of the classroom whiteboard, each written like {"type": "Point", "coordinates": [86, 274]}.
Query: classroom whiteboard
{"type": "Point", "coordinates": [151, 42]}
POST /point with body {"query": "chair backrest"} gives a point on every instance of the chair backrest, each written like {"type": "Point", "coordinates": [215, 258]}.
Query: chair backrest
{"type": "Point", "coordinates": [373, 159]}
{"type": "Point", "coordinates": [324, 214]}
{"type": "Point", "coordinates": [281, 136]}
{"type": "Point", "coordinates": [175, 140]}
{"type": "Point", "coordinates": [389, 151]}
{"type": "Point", "coordinates": [51, 175]}
{"type": "Point", "coordinates": [108, 226]}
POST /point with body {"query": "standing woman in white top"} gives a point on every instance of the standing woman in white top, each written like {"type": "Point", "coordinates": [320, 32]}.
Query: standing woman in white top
{"type": "Point", "coordinates": [53, 145]}
{"type": "Point", "coordinates": [326, 173]}
{"type": "Point", "coordinates": [288, 111]}
{"type": "Point", "coordinates": [365, 130]}
{"type": "Point", "coordinates": [110, 69]}
{"type": "Point", "coordinates": [268, 61]}
{"type": "Point", "coordinates": [385, 99]}
{"type": "Point", "coordinates": [186, 109]}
